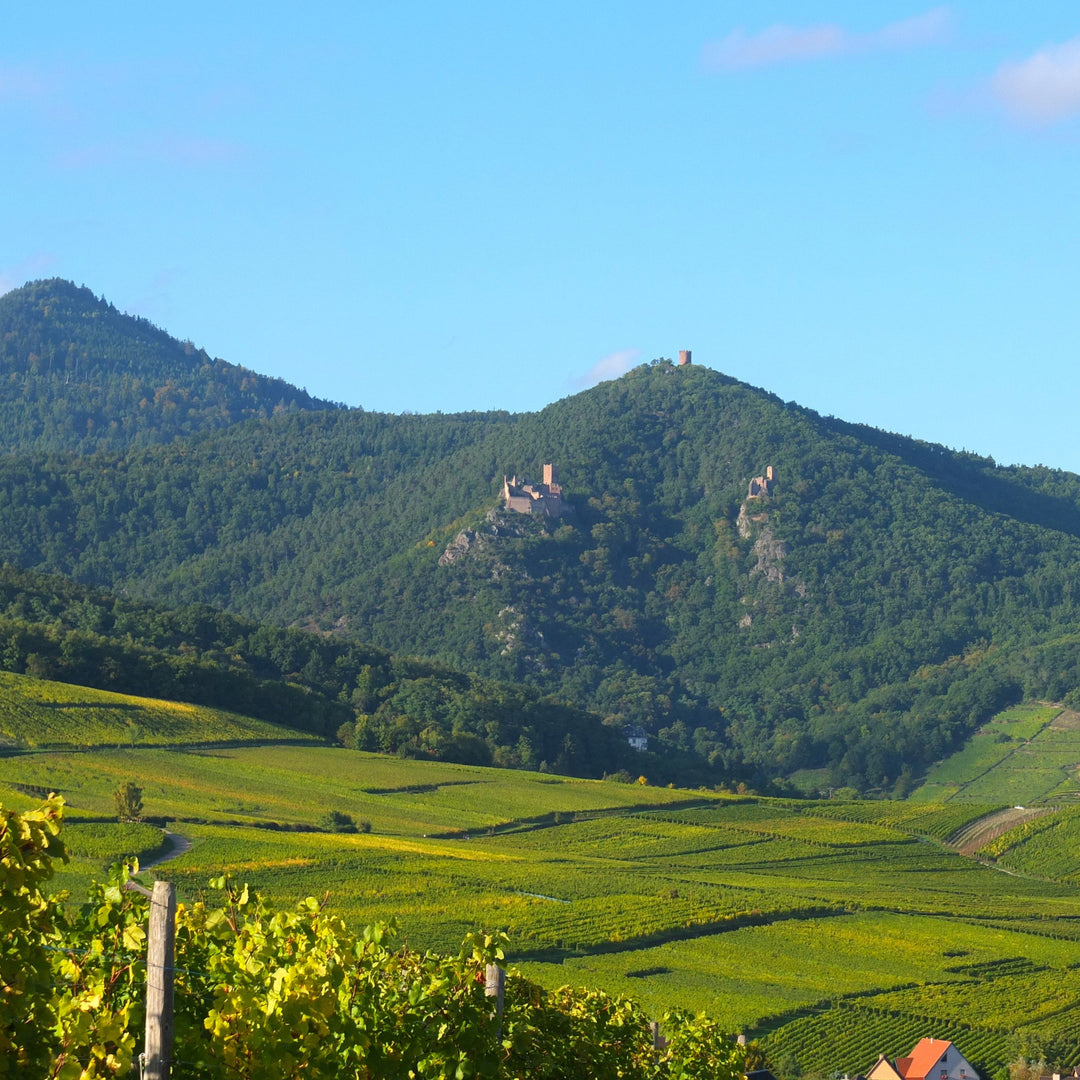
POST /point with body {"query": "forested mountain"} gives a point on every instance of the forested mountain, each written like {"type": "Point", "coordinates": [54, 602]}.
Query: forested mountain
{"type": "Point", "coordinates": [53, 628]}
{"type": "Point", "coordinates": [76, 374]}
{"type": "Point", "coordinates": [863, 616]}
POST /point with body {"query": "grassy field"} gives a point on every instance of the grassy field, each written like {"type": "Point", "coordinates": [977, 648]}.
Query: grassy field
{"type": "Point", "coordinates": [297, 785]}
{"type": "Point", "coordinates": [810, 924]}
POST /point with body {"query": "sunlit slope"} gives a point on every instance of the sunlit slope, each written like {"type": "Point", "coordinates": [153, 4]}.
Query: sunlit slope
{"type": "Point", "coordinates": [36, 713]}
{"type": "Point", "coordinates": [122, 380]}
{"type": "Point", "coordinates": [1024, 755]}
{"type": "Point", "coordinates": [293, 786]}
{"type": "Point", "coordinates": [866, 614]}
{"type": "Point", "coordinates": [813, 916]}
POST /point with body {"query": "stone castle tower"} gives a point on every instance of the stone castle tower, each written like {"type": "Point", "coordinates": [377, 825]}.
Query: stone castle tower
{"type": "Point", "coordinates": [545, 498]}
{"type": "Point", "coordinates": [762, 485]}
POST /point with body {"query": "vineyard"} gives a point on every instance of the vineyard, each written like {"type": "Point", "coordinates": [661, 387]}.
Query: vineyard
{"type": "Point", "coordinates": [39, 714]}
{"type": "Point", "coordinates": [788, 920]}
{"type": "Point", "coordinates": [850, 1036]}
{"type": "Point", "coordinates": [1025, 754]}
{"type": "Point", "coordinates": [980, 1015]}
{"type": "Point", "coordinates": [933, 820]}
{"type": "Point", "coordinates": [1044, 847]}
{"type": "Point", "coordinates": [257, 994]}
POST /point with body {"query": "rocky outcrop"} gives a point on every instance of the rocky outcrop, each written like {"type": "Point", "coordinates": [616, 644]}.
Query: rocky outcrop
{"type": "Point", "coordinates": [516, 635]}
{"type": "Point", "coordinates": [770, 553]}
{"type": "Point", "coordinates": [458, 547]}
{"type": "Point", "coordinates": [770, 550]}
{"type": "Point", "coordinates": [497, 523]}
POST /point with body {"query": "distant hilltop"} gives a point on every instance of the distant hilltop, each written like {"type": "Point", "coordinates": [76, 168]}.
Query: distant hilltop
{"type": "Point", "coordinates": [526, 498]}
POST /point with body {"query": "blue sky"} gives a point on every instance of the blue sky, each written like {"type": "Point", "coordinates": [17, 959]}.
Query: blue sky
{"type": "Point", "coordinates": [871, 209]}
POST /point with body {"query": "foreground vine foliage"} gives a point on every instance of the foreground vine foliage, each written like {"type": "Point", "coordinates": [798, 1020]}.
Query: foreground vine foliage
{"type": "Point", "coordinates": [263, 994]}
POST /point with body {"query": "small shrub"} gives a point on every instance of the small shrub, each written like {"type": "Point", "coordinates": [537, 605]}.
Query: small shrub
{"type": "Point", "coordinates": [129, 803]}
{"type": "Point", "coordinates": [336, 821]}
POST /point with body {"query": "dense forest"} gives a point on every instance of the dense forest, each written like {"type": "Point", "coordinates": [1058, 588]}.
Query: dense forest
{"type": "Point", "coordinates": [76, 374]}
{"type": "Point", "coordinates": [861, 618]}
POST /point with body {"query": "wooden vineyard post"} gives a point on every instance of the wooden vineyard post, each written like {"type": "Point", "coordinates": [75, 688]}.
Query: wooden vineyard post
{"type": "Point", "coordinates": [659, 1043]}
{"type": "Point", "coordinates": [495, 986]}
{"type": "Point", "coordinates": [158, 1046]}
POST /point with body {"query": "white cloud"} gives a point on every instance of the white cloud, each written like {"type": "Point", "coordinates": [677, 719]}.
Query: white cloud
{"type": "Point", "coordinates": [11, 277]}
{"type": "Point", "coordinates": [610, 367]}
{"type": "Point", "coordinates": [1042, 89]}
{"type": "Point", "coordinates": [781, 43]}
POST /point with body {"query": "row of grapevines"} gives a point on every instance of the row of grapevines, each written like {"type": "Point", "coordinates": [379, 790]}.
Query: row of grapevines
{"type": "Point", "coordinates": [923, 819]}
{"type": "Point", "coordinates": [38, 713]}
{"type": "Point", "coordinates": [1004, 1002]}
{"type": "Point", "coordinates": [1046, 846]}
{"type": "Point", "coordinates": [850, 1037]}
{"type": "Point", "coordinates": [265, 995]}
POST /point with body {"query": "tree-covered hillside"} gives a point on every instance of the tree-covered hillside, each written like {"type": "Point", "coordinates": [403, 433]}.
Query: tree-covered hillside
{"type": "Point", "coordinates": [76, 374]}
{"type": "Point", "coordinates": [885, 597]}
{"type": "Point", "coordinates": [52, 628]}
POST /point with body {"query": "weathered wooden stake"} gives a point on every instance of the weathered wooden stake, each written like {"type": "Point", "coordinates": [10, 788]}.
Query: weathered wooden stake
{"type": "Point", "coordinates": [157, 1051]}
{"type": "Point", "coordinates": [495, 985]}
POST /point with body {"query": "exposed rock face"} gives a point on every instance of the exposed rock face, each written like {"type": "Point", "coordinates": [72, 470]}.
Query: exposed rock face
{"type": "Point", "coordinates": [745, 522]}
{"type": "Point", "coordinates": [770, 553]}
{"type": "Point", "coordinates": [753, 525]}
{"type": "Point", "coordinates": [458, 547]}
{"type": "Point", "coordinates": [515, 633]}
{"type": "Point", "coordinates": [473, 541]}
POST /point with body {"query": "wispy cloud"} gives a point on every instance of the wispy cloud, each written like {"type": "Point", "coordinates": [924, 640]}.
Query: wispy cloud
{"type": "Point", "coordinates": [1044, 88]}
{"type": "Point", "coordinates": [84, 107]}
{"type": "Point", "coordinates": [194, 150]}
{"type": "Point", "coordinates": [610, 367]}
{"type": "Point", "coordinates": [782, 43]}
{"type": "Point", "coordinates": [11, 277]}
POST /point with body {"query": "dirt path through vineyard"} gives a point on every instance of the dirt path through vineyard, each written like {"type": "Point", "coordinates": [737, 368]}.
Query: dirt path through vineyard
{"type": "Point", "coordinates": [177, 846]}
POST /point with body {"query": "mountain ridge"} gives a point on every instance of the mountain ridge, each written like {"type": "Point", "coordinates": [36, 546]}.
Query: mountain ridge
{"type": "Point", "coordinates": [125, 381]}
{"type": "Point", "coordinates": [864, 616]}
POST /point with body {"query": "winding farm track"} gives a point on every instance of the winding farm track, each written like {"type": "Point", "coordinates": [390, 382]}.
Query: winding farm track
{"type": "Point", "coordinates": [978, 833]}
{"type": "Point", "coordinates": [177, 846]}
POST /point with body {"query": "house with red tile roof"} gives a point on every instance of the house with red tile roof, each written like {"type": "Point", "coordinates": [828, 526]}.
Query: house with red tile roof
{"type": "Point", "coordinates": [930, 1059]}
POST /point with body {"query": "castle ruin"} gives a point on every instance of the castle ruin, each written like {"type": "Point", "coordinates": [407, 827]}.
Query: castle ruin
{"type": "Point", "coordinates": [525, 498]}
{"type": "Point", "coordinates": [762, 485]}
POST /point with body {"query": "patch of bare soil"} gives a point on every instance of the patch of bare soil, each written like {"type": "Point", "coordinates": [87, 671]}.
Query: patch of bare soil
{"type": "Point", "coordinates": [978, 833]}
{"type": "Point", "coordinates": [1066, 720]}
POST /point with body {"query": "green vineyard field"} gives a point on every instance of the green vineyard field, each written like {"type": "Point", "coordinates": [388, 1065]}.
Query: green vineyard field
{"type": "Point", "coordinates": [38, 714]}
{"type": "Point", "coordinates": [810, 924]}
{"type": "Point", "coordinates": [1026, 754]}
